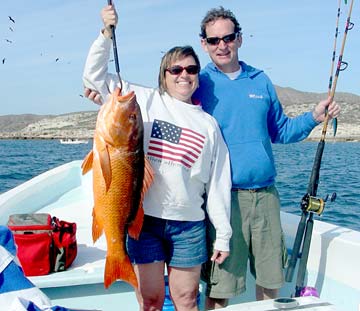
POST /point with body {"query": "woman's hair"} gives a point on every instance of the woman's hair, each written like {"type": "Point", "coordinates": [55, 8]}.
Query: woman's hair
{"type": "Point", "coordinates": [215, 14]}
{"type": "Point", "coordinates": [171, 56]}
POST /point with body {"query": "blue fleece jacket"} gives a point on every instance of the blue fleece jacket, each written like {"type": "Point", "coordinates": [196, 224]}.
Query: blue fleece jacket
{"type": "Point", "coordinates": [251, 118]}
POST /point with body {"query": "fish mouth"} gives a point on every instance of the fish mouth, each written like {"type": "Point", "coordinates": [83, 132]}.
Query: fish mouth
{"type": "Point", "coordinates": [123, 98]}
{"type": "Point", "coordinates": [125, 105]}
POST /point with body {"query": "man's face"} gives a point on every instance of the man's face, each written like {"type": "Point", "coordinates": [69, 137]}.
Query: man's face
{"type": "Point", "coordinates": [223, 54]}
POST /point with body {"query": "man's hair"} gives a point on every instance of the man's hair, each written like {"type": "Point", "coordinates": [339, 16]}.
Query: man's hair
{"type": "Point", "coordinates": [171, 56]}
{"type": "Point", "coordinates": [218, 13]}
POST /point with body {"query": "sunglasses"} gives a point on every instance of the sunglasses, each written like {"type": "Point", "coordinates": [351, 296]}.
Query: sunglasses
{"type": "Point", "coordinates": [176, 70]}
{"type": "Point", "coordinates": [216, 40]}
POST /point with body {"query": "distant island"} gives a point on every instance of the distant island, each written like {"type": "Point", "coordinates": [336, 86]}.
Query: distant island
{"type": "Point", "coordinates": [81, 125]}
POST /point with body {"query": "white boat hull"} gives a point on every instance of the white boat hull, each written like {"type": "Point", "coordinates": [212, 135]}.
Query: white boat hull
{"type": "Point", "coordinates": [64, 192]}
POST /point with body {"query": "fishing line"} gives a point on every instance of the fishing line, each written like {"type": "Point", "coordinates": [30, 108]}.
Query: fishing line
{"type": "Point", "coordinates": [116, 58]}
{"type": "Point", "coordinates": [311, 204]}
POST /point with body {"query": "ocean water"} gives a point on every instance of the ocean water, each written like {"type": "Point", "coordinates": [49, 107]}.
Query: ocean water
{"type": "Point", "coordinates": [23, 159]}
{"type": "Point", "coordinates": [340, 172]}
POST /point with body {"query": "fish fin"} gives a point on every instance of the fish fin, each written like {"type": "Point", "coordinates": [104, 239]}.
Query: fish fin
{"type": "Point", "coordinates": [117, 268]}
{"type": "Point", "coordinates": [87, 163]}
{"type": "Point", "coordinates": [134, 228]}
{"type": "Point", "coordinates": [148, 177]}
{"type": "Point", "coordinates": [105, 164]}
{"type": "Point", "coordinates": [97, 228]}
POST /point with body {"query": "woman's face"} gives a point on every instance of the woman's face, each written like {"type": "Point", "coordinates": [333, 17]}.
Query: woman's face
{"type": "Point", "coordinates": [181, 79]}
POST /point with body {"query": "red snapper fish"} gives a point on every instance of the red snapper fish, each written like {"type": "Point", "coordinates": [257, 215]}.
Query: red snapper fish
{"type": "Point", "coordinates": [121, 176]}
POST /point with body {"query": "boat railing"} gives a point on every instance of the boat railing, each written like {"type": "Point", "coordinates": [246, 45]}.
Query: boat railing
{"type": "Point", "coordinates": [35, 192]}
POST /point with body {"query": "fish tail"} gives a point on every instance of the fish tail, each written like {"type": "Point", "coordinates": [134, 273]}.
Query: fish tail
{"type": "Point", "coordinates": [117, 268]}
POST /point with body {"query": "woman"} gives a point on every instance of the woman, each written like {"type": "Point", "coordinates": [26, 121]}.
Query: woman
{"type": "Point", "coordinates": [190, 160]}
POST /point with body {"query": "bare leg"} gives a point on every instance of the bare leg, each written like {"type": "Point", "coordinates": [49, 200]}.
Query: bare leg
{"type": "Point", "coordinates": [215, 303]}
{"type": "Point", "coordinates": [151, 291]}
{"type": "Point", "coordinates": [184, 287]}
{"type": "Point", "coordinates": [263, 293]}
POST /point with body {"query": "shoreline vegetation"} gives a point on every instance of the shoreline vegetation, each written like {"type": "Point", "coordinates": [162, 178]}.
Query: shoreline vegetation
{"type": "Point", "coordinates": [81, 125]}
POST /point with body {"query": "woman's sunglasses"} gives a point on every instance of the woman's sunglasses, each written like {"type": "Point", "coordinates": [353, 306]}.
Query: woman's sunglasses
{"type": "Point", "coordinates": [216, 40]}
{"type": "Point", "coordinates": [176, 70]}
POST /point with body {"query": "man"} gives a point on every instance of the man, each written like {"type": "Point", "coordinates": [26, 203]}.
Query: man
{"type": "Point", "coordinates": [244, 102]}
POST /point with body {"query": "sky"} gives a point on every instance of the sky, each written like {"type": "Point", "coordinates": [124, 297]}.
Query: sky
{"type": "Point", "coordinates": [292, 41]}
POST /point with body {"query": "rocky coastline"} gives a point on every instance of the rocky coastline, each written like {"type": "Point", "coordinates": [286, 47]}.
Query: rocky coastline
{"type": "Point", "coordinates": [81, 125]}
{"type": "Point", "coordinates": [77, 125]}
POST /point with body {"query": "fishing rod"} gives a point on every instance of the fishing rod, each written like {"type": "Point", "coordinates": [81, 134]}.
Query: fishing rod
{"type": "Point", "coordinates": [311, 204]}
{"type": "Point", "coordinates": [116, 58]}
{"type": "Point", "coordinates": [333, 59]}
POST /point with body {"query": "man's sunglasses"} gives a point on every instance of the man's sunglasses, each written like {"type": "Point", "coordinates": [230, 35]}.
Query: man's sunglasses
{"type": "Point", "coordinates": [176, 70]}
{"type": "Point", "coordinates": [227, 39]}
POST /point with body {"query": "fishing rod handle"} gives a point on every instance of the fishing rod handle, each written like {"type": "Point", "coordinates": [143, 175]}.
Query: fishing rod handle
{"type": "Point", "coordinates": [315, 172]}
{"type": "Point", "coordinates": [296, 248]}
{"type": "Point", "coordinates": [304, 255]}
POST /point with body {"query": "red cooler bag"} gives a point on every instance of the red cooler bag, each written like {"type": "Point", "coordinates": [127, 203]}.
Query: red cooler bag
{"type": "Point", "coordinates": [65, 245]}
{"type": "Point", "coordinates": [33, 237]}
{"type": "Point", "coordinates": [44, 244]}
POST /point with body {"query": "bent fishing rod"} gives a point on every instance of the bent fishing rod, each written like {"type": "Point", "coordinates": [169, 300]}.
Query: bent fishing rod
{"type": "Point", "coordinates": [310, 203]}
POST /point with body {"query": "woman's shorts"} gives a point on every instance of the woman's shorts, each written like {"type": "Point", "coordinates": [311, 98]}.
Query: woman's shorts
{"type": "Point", "coordinates": [178, 243]}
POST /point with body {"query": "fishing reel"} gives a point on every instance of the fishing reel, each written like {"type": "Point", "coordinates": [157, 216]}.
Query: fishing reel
{"type": "Point", "coordinates": [312, 204]}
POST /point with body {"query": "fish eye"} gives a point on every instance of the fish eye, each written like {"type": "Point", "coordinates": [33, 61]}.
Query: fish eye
{"type": "Point", "coordinates": [132, 116]}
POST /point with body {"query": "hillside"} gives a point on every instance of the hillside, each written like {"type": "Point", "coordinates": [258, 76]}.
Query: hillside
{"type": "Point", "coordinates": [71, 125]}
{"type": "Point", "coordinates": [82, 124]}
{"type": "Point", "coordinates": [296, 102]}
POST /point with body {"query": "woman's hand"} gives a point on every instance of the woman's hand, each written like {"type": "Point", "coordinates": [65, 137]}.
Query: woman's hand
{"type": "Point", "coordinates": [93, 96]}
{"type": "Point", "coordinates": [109, 18]}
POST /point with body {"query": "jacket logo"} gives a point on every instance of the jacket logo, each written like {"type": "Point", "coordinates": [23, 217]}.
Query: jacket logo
{"type": "Point", "coordinates": [255, 96]}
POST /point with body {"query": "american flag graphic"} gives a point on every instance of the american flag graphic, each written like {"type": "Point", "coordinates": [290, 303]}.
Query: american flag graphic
{"type": "Point", "coordinates": [174, 143]}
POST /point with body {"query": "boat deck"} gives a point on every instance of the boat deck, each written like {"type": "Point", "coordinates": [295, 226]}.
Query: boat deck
{"type": "Point", "coordinates": [65, 193]}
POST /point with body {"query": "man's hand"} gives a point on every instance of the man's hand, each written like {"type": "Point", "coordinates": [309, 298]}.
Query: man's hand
{"type": "Point", "coordinates": [219, 256]}
{"type": "Point", "coordinates": [319, 111]}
